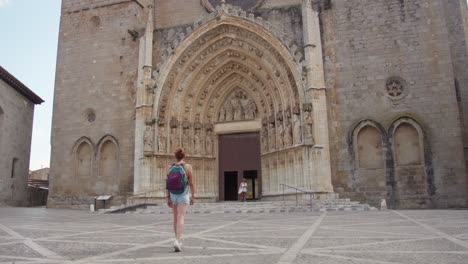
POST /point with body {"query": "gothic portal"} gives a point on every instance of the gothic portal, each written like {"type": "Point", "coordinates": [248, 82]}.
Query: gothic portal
{"type": "Point", "coordinates": [230, 74]}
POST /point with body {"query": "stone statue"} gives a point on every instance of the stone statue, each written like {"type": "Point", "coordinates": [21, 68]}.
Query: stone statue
{"type": "Point", "coordinates": [237, 107]}
{"type": "Point", "coordinates": [162, 139]}
{"type": "Point", "coordinates": [175, 139]}
{"type": "Point", "coordinates": [186, 139]}
{"type": "Point", "coordinates": [229, 111]}
{"type": "Point", "coordinates": [309, 134]}
{"type": "Point", "coordinates": [251, 110]}
{"type": "Point", "coordinates": [265, 138]}
{"type": "Point", "coordinates": [148, 140]}
{"type": "Point", "coordinates": [222, 114]}
{"type": "Point", "coordinates": [209, 142]}
{"type": "Point", "coordinates": [272, 135]}
{"type": "Point", "coordinates": [197, 142]}
{"type": "Point", "coordinates": [280, 135]}
{"type": "Point", "coordinates": [288, 133]}
{"type": "Point", "coordinates": [297, 129]}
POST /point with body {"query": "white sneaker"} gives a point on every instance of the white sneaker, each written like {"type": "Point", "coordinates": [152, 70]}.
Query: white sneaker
{"type": "Point", "coordinates": [177, 246]}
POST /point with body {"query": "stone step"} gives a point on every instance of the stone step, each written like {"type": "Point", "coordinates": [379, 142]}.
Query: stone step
{"type": "Point", "coordinates": [301, 205]}
{"type": "Point", "coordinates": [248, 208]}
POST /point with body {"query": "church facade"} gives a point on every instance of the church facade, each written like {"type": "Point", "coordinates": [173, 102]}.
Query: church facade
{"type": "Point", "coordinates": [361, 98]}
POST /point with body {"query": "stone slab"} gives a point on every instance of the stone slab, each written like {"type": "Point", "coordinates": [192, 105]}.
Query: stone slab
{"type": "Point", "coordinates": [228, 238]}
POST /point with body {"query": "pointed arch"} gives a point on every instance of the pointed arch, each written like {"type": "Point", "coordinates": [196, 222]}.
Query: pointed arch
{"type": "Point", "coordinates": [408, 141]}
{"type": "Point", "coordinates": [108, 158]}
{"type": "Point", "coordinates": [412, 163]}
{"type": "Point", "coordinates": [204, 54]}
{"type": "Point", "coordinates": [368, 136]}
{"type": "Point", "coordinates": [83, 152]}
{"type": "Point", "coordinates": [368, 141]}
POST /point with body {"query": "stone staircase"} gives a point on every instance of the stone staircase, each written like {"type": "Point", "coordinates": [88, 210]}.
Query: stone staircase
{"type": "Point", "coordinates": [254, 207]}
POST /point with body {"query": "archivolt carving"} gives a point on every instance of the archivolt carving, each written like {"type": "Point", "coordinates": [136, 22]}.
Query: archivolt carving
{"type": "Point", "coordinates": [250, 5]}
{"type": "Point", "coordinates": [234, 12]}
{"type": "Point", "coordinates": [226, 72]}
{"type": "Point", "coordinates": [257, 72]}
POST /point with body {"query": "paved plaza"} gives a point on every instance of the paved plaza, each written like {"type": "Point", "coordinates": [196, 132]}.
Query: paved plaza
{"type": "Point", "coordinates": [39, 235]}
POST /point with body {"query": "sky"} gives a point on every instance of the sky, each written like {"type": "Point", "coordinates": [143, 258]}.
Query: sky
{"type": "Point", "coordinates": [28, 50]}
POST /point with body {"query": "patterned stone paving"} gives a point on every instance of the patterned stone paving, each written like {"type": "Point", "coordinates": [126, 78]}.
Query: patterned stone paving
{"type": "Point", "coordinates": [38, 235]}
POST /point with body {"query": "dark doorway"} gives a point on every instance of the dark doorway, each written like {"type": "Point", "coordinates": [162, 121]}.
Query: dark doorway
{"type": "Point", "coordinates": [239, 157]}
{"type": "Point", "coordinates": [252, 184]}
{"type": "Point", "coordinates": [230, 185]}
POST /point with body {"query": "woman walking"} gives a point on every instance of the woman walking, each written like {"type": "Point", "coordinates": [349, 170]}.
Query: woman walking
{"type": "Point", "coordinates": [243, 190]}
{"type": "Point", "coordinates": [179, 193]}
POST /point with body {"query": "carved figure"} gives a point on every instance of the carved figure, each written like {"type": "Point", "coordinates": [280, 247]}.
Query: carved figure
{"type": "Point", "coordinates": [280, 135]}
{"type": "Point", "coordinates": [175, 139]}
{"type": "Point", "coordinates": [308, 120]}
{"type": "Point", "coordinates": [251, 110]}
{"type": "Point", "coordinates": [148, 140]}
{"type": "Point", "coordinates": [237, 105]}
{"type": "Point", "coordinates": [272, 136]}
{"type": "Point", "coordinates": [209, 143]}
{"type": "Point", "coordinates": [222, 114]}
{"type": "Point", "coordinates": [197, 141]}
{"type": "Point", "coordinates": [228, 110]}
{"type": "Point", "coordinates": [162, 139]}
{"type": "Point", "coordinates": [297, 129]}
{"type": "Point", "coordinates": [265, 138]}
{"type": "Point", "coordinates": [288, 140]}
{"type": "Point", "coordinates": [186, 138]}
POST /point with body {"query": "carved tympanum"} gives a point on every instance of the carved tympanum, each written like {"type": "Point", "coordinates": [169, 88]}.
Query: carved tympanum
{"type": "Point", "coordinates": [237, 107]}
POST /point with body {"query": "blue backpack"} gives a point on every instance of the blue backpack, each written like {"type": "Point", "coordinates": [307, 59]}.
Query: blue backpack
{"type": "Point", "coordinates": [176, 181]}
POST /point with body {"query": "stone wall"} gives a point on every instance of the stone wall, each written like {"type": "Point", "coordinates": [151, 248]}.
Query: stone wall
{"type": "Point", "coordinates": [93, 120]}
{"type": "Point", "coordinates": [389, 61]}
{"type": "Point", "coordinates": [457, 29]}
{"type": "Point", "coordinates": [16, 119]}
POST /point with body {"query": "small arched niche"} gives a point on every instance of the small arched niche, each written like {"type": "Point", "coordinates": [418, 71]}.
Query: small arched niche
{"type": "Point", "coordinates": [407, 145]}
{"type": "Point", "coordinates": [369, 179]}
{"type": "Point", "coordinates": [413, 180]}
{"type": "Point", "coordinates": [370, 149]}
{"type": "Point", "coordinates": [108, 167]}
{"type": "Point", "coordinates": [84, 160]}
{"type": "Point", "coordinates": [108, 160]}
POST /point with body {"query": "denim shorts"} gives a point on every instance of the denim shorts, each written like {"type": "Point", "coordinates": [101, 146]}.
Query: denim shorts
{"type": "Point", "coordinates": [183, 198]}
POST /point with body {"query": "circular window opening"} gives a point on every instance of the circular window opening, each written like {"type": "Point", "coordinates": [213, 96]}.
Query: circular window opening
{"type": "Point", "coordinates": [396, 88]}
{"type": "Point", "coordinates": [90, 116]}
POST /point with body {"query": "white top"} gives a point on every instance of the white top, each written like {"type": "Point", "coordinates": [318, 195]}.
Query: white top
{"type": "Point", "coordinates": [243, 187]}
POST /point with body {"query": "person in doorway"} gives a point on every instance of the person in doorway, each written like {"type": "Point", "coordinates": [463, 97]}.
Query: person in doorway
{"type": "Point", "coordinates": [243, 190]}
{"type": "Point", "coordinates": [179, 193]}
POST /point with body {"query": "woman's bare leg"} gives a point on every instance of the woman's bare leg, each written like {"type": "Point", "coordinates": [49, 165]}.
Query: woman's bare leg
{"type": "Point", "coordinates": [181, 208]}
{"type": "Point", "coordinates": [174, 212]}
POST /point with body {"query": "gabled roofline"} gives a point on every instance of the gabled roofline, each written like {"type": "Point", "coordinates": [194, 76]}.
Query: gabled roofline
{"type": "Point", "coordinates": [19, 86]}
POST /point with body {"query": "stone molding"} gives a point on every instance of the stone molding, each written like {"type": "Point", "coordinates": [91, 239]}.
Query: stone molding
{"type": "Point", "coordinates": [231, 11]}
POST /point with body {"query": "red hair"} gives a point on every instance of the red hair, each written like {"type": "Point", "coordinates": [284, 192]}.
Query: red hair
{"type": "Point", "coordinates": [179, 154]}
